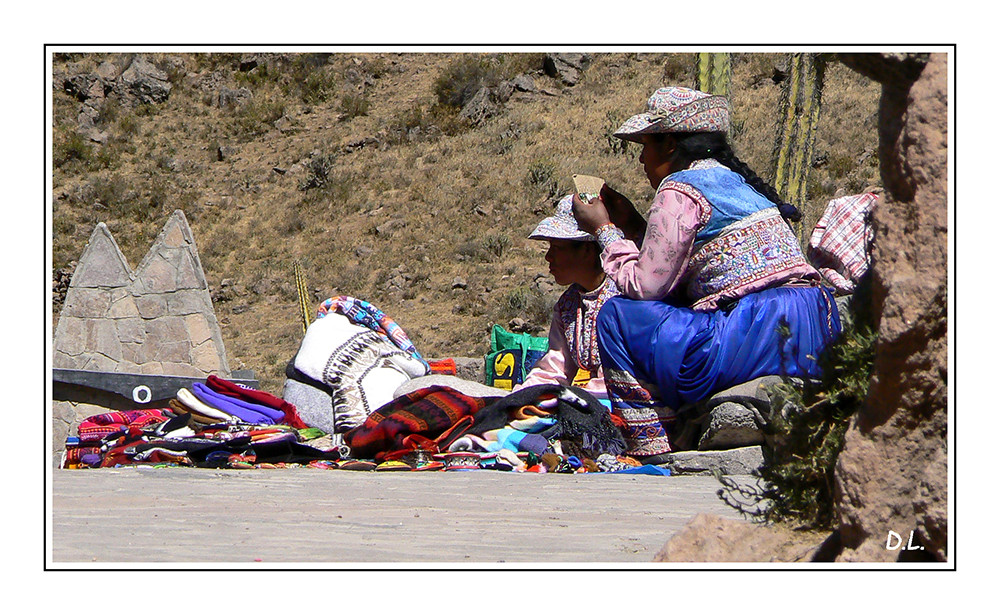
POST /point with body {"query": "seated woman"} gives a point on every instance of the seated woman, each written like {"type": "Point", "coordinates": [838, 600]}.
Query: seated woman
{"type": "Point", "coordinates": [574, 259]}
{"type": "Point", "coordinates": [715, 288]}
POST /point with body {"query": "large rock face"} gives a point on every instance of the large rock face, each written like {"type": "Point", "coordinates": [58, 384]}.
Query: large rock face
{"type": "Point", "coordinates": [892, 474]}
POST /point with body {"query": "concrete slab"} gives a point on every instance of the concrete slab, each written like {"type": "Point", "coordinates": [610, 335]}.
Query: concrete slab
{"type": "Point", "coordinates": [213, 517]}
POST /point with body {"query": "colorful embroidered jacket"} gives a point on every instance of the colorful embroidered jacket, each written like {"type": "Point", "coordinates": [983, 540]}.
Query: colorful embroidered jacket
{"type": "Point", "coordinates": [573, 340]}
{"type": "Point", "coordinates": [710, 238]}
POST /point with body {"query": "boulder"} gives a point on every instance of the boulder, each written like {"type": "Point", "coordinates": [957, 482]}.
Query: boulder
{"type": "Point", "coordinates": [524, 83]}
{"type": "Point", "coordinates": [731, 425]}
{"type": "Point", "coordinates": [229, 98]}
{"type": "Point", "coordinates": [481, 107]}
{"type": "Point", "coordinates": [731, 418]}
{"type": "Point", "coordinates": [710, 538]}
{"type": "Point", "coordinates": [566, 67]}
{"type": "Point", "coordinates": [143, 83]}
{"type": "Point", "coordinates": [892, 474]}
{"type": "Point", "coordinates": [738, 461]}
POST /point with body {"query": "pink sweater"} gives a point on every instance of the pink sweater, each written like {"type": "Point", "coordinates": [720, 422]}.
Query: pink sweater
{"type": "Point", "coordinates": [656, 269]}
{"type": "Point", "coordinates": [559, 365]}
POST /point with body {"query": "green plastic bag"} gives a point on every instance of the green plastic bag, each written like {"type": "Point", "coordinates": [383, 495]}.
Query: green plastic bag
{"type": "Point", "coordinates": [511, 357]}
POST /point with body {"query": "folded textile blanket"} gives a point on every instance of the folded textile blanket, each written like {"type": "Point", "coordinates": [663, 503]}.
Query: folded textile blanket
{"type": "Point", "coordinates": [248, 412]}
{"type": "Point", "coordinates": [361, 368]}
{"type": "Point", "coordinates": [99, 426]}
{"type": "Point", "coordinates": [580, 416]}
{"type": "Point", "coordinates": [188, 400]}
{"type": "Point", "coordinates": [427, 413]}
{"type": "Point", "coordinates": [231, 389]}
{"type": "Point", "coordinates": [509, 438]}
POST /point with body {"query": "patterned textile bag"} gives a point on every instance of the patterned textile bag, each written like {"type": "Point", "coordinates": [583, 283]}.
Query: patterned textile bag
{"type": "Point", "coordinates": [511, 357]}
{"type": "Point", "coordinates": [840, 244]}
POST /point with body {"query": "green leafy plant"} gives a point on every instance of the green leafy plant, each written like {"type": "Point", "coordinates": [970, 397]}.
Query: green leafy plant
{"type": "Point", "coordinates": [807, 432]}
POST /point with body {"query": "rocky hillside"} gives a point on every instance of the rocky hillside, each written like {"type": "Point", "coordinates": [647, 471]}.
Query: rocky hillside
{"type": "Point", "coordinates": [409, 180]}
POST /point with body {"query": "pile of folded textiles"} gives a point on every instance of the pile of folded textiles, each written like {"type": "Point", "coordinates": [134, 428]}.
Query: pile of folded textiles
{"type": "Point", "coordinates": [543, 428]}
{"type": "Point", "coordinates": [217, 424]}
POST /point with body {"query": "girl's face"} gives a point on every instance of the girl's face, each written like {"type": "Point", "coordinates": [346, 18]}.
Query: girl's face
{"type": "Point", "coordinates": [656, 158]}
{"type": "Point", "coordinates": [572, 261]}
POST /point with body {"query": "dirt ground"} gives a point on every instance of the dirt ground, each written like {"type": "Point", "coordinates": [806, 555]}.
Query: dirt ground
{"type": "Point", "coordinates": [336, 518]}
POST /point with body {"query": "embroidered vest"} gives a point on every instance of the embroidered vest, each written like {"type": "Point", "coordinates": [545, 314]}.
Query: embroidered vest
{"type": "Point", "coordinates": [742, 238]}
{"type": "Point", "coordinates": [580, 326]}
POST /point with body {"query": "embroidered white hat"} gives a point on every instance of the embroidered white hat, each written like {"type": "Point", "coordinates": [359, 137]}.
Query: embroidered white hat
{"type": "Point", "coordinates": [678, 109]}
{"type": "Point", "coordinates": [562, 225]}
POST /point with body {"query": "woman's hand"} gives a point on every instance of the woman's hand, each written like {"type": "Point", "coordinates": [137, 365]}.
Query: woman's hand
{"type": "Point", "coordinates": [590, 216]}
{"type": "Point", "coordinates": [615, 202]}
{"type": "Point", "coordinates": [623, 214]}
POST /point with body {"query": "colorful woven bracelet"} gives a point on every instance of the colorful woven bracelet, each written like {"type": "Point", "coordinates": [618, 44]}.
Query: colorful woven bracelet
{"type": "Point", "coordinates": [608, 233]}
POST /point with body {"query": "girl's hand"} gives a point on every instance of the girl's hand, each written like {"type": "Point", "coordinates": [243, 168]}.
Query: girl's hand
{"type": "Point", "coordinates": [590, 216]}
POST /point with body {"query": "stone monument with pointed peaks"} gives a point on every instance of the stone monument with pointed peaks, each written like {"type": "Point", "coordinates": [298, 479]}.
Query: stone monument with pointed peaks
{"type": "Point", "coordinates": [156, 320]}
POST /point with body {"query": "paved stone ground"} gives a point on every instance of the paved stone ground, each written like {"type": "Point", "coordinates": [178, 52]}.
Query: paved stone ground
{"type": "Point", "coordinates": [213, 517]}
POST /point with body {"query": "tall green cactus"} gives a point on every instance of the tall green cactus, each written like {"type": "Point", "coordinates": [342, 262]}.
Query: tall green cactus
{"type": "Point", "coordinates": [801, 100]}
{"type": "Point", "coordinates": [715, 73]}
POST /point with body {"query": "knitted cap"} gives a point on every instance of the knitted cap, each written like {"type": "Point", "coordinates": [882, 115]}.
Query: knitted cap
{"type": "Point", "coordinates": [677, 109]}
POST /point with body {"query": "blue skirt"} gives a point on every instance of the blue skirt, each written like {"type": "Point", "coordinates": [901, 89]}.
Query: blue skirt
{"type": "Point", "coordinates": [689, 355]}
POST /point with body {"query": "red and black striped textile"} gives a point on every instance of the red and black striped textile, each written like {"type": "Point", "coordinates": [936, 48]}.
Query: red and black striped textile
{"type": "Point", "coordinates": [426, 413]}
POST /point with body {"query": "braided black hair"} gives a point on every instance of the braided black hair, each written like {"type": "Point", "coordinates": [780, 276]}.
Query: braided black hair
{"type": "Point", "coordinates": [692, 146]}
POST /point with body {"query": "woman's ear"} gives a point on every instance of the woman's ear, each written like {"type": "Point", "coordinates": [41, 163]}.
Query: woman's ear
{"type": "Point", "coordinates": [669, 145]}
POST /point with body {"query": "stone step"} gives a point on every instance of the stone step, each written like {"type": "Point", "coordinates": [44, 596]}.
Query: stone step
{"type": "Point", "coordinates": [741, 461]}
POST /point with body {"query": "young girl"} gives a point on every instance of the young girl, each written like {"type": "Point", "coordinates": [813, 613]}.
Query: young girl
{"type": "Point", "coordinates": [575, 261]}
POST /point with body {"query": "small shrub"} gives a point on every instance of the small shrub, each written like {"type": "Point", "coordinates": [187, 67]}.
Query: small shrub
{"type": "Point", "coordinates": [316, 88]}
{"type": "Point", "coordinates": [680, 68]}
{"type": "Point", "coordinates": [841, 165]}
{"type": "Point", "coordinates": [513, 64]}
{"type": "Point", "coordinates": [319, 172]}
{"type": "Point", "coordinates": [612, 121]}
{"type": "Point", "coordinates": [146, 110]}
{"type": "Point", "coordinates": [128, 125]}
{"type": "Point", "coordinates": [109, 111]}
{"type": "Point", "coordinates": [542, 176]}
{"type": "Point", "coordinates": [797, 479]}
{"type": "Point", "coordinates": [422, 124]}
{"type": "Point", "coordinates": [158, 195]}
{"type": "Point", "coordinates": [469, 249]}
{"type": "Point", "coordinates": [354, 105]}
{"type": "Point", "coordinates": [111, 191]}
{"type": "Point", "coordinates": [523, 302]}
{"type": "Point", "coordinates": [256, 117]}
{"type": "Point", "coordinates": [461, 79]}
{"type": "Point", "coordinates": [496, 244]}
{"type": "Point", "coordinates": [74, 147]}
